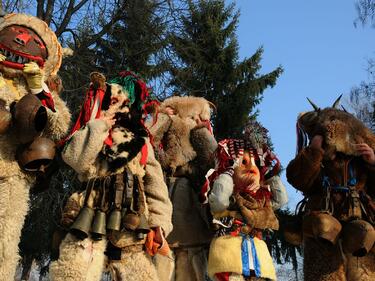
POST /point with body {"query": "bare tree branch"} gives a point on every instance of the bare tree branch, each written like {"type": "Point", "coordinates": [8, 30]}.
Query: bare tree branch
{"type": "Point", "coordinates": [68, 15]}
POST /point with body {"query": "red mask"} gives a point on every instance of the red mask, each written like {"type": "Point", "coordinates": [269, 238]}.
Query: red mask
{"type": "Point", "coordinates": [21, 45]}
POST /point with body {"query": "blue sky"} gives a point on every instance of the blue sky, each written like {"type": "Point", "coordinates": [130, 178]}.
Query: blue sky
{"type": "Point", "coordinates": [323, 55]}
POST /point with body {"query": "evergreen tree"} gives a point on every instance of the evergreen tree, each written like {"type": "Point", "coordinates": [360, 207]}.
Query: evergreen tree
{"type": "Point", "coordinates": [135, 41]}
{"type": "Point", "coordinates": [208, 65]}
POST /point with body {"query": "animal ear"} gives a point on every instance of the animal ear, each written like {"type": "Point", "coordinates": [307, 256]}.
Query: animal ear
{"type": "Point", "coordinates": [337, 102]}
{"type": "Point", "coordinates": [316, 108]}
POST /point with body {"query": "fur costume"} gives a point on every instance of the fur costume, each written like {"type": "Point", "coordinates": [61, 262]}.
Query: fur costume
{"type": "Point", "coordinates": [240, 214]}
{"type": "Point", "coordinates": [338, 186]}
{"type": "Point", "coordinates": [100, 153]}
{"type": "Point", "coordinates": [186, 144]}
{"type": "Point", "coordinates": [14, 182]}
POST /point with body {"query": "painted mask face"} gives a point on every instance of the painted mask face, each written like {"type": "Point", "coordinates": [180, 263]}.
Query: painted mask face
{"type": "Point", "coordinates": [21, 45]}
{"type": "Point", "coordinates": [246, 173]}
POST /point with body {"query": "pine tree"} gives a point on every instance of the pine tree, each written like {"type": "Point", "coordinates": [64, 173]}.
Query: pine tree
{"type": "Point", "coordinates": [135, 41]}
{"type": "Point", "coordinates": [209, 65]}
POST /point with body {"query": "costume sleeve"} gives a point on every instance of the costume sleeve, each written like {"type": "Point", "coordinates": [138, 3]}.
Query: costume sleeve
{"type": "Point", "coordinates": [305, 168]}
{"type": "Point", "coordinates": [58, 120]}
{"type": "Point", "coordinates": [82, 149]}
{"type": "Point", "coordinates": [221, 191]}
{"type": "Point", "coordinates": [159, 205]}
{"type": "Point", "coordinates": [279, 194]}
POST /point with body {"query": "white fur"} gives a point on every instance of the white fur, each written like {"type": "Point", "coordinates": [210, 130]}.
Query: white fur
{"type": "Point", "coordinates": [79, 260]}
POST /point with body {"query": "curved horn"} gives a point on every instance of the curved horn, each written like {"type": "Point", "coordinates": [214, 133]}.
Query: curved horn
{"type": "Point", "coordinates": [343, 108]}
{"type": "Point", "coordinates": [316, 108]}
{"type": "Point", "coordinates": [337, 101]}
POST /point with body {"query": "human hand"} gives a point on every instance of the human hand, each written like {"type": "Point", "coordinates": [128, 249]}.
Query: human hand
{"type": "Point", "coordinates": [169, 110]}
{"type": "Point", "coordinates": [366, 152]}
{"type": "Point", "coordinates": [34, 77]}
{"type": "Point", "coordinates": [317, 142]}
{"type": "Point", "coordinates": [108, 118]}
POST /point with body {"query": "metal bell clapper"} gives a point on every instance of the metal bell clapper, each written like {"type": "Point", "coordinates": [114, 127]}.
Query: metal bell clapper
{"type": "Point", "coordinates": [82, 225]}
{"type": "Point", "coordinates": [143, 227]}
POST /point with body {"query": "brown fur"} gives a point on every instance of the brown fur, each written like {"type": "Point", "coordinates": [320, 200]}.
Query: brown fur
{"type": "Point", "coordinates": [305, 172]}
{"type": "Point", "coordinates": [340, 130]}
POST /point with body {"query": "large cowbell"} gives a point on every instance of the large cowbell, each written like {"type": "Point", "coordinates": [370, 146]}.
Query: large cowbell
{"type": "Point", "coordinates": [98, 229]}
{"type": "Point", "coordinates": [82, 225]}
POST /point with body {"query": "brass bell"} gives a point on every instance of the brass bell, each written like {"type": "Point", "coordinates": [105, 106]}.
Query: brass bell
{"type": "Point", "coordinates": [143, 227]}
{"type": "Point", "coordinates": [30, 118]}
{"type": "Point", "coordinates": [98, 226]}
{"type": "Point", "coordinates": [82, 225]}
{"type": "Point", "coordinates": [131, 221]}
{"type": "Point", "coordinates": [37, 155]}
{"type": "Point", "coordinates": [114, 221]}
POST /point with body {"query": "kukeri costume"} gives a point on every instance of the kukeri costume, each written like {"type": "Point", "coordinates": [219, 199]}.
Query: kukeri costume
{"type": "Point", "coordinates": [338, 185]}
{"type": "Point", "coordinates": [31, 119]}
{"type": "Point", "coordinates": [184, 142]}
{"type": "Point", "coordinates": [238, 251]}
{"type": "Point", "coordinates": [126, 202]}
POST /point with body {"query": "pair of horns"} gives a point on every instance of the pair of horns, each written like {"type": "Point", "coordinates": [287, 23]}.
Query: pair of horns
{"type": "Point", "coordinates": [335, 104]}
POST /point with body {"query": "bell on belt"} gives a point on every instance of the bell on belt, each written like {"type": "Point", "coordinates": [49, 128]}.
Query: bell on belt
{"type": "Point", "coordinates": [82, 225]}
{"type": "Point", "coordinates": [131, 221]}
{"type": "Point", "coordinates": [98, 226]}
{"type": "Point", "coordinates": [143, 227]}
{"type": "Point", "coordinates": [114, 221]}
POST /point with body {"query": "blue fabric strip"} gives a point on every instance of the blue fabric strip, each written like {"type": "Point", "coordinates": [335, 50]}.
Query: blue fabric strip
{"type": "Point", "coordinates": [256, 260]}
{"type": "Point", "coordinates": [245, 258]}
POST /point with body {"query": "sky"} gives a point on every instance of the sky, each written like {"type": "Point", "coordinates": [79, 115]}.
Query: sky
{"type": "Point", "coordinates": [323, 55]}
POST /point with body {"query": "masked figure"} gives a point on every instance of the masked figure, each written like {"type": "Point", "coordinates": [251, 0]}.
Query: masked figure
{"type": "Point", "coordinates": [124, 211]}
{"type": "Point", "coordinates": [184, 142]}
{"type": "Point", "coordinates": [32, 118]}
{"type": "Point", "coordinates": [334, 168]}
{"type": "Point", "coordinates": [243, 192]}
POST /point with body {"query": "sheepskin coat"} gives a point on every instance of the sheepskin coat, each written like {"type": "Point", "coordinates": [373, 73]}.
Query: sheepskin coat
{"type": "Point", "coordinates": [82, 153]}
{"type": "Point", "coordinates": [185, 151]}
{"type": "Point", "coordinates": [15, 183]}
{"type": "Point", "coordinates": [305, 172]}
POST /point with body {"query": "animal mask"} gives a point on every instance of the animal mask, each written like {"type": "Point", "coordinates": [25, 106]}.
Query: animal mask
{"type": "Point", "coordinates": [25, 38]}
{"type": "Point", "coordinates": [340, 129]}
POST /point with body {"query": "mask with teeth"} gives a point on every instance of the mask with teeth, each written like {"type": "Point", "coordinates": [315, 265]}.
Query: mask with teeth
{"type": "Point", "coordinates": [25, 39]}
{"type": "Point", "coordinates": [20, 45]}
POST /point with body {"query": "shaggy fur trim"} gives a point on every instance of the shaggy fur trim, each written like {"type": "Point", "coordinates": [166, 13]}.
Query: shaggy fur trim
{"type": "Point", "coordinates": [188, 107]}
{"type": "Point", "coordinates": [80, 260]}
{"type": "Point", "coordinates": [53, 62]}
{"type": "Point", "coordinates": [58, 122]}
{"type": "Point", "coordinates": [177, 149]}
{"type": "Point", "coordinates": [134, 267]}
{"type": "Point", "coordinates": [14, 196]}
